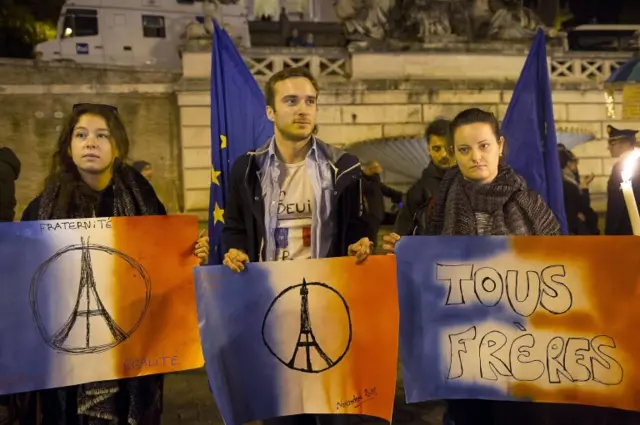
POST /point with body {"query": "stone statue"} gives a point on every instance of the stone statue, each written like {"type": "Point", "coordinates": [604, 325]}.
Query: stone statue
{"type": "Point", "coordinates": [426, 21]}
{"type": "Point", "coordinates": [237, 29]}
{"type": "Point", "coordinates": [210, 10]}
{"type": "Point", "coordinates": [365, 19]}
{"type": "Point", "coordinates": [512, 21]}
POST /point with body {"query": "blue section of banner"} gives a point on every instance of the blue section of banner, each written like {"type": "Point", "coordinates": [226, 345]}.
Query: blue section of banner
{"type": "Point", "coordinates": [242, 373]}
{"type": "Point", "coordinates": [425, 317]}
{"type": "Point", "coordinates": [27, 364]}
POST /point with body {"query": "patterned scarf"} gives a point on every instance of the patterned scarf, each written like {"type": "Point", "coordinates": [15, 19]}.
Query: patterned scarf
{"type": "Point", "coordinates": [512, 208]}
{"type": "Point", "coordinates": [97, 401]}
{"type": "Point", "coordinates": [569, 176]}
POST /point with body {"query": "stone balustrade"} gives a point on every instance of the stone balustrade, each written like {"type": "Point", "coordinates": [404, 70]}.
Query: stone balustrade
{"type": "Point", "coordinates": [337, 64]}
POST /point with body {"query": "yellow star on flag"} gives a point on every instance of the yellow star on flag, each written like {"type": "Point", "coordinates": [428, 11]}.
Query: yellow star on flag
{"type": "Point", "coordinates": [218, 214]}
{"type": "Point", "coordinates": [223, 141]}
{"type": "Point", "coordinates": [214, 176]}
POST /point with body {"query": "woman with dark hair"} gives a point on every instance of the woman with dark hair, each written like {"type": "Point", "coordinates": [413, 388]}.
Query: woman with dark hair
{"type": "Point", "coordinates": [89, 178]}
{"type": "Point", "coordinates": [482, 195]}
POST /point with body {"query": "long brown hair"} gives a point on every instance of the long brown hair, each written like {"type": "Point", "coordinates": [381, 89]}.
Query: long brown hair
{"type": "Point", "coordinates": [64, 177]}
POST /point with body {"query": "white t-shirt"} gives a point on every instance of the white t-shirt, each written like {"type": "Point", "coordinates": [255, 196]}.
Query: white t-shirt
{"type": "Point", "coordinates": [295, 212]}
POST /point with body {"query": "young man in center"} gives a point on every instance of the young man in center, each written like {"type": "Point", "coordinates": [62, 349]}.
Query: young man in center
{"type": "Point", "coordinates": [296, 197]}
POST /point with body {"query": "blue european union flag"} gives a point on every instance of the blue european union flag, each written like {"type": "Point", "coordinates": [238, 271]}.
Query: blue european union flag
{"type": "Point", "coordinates": [530, 131]}
{"type": "Point", "coordinates": [238, 124]}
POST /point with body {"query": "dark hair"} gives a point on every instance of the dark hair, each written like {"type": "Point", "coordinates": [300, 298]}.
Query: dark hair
{"type": "Point", "coordinates": [64, 171]}
{"type": "Point", "coordinates": [440, 128]}
{"type": "Point", "coordinates": [474, 116]}
{"type": "Point", "coordinates": [285, 74]}
{"type": "Point", "coordinates": [565, 156]}
{"type": "Point", "coordinates": [140, 165]}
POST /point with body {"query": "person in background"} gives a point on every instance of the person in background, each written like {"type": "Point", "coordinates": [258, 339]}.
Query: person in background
{"type": "Point", "coordinates": [415, 208]}
{"type": "Point", "coordinates": [309, 40]}
{"type": "Point", "coordinates": [90, 178]}
{"type": "Point", "coordinates": [9, 173]}
{"type": "Point", "coordinates": [144, 168]}
{"type": "Point", "coordinates": [374, 192]}
{"type": "Point", "coordinates": [621, 145]}
{"type": "Point", "coordinates": [284, 25]}
{"type": "Point", "coordinates": [294, 39]}
{"type": "Point", "coordinates": [581, 218]}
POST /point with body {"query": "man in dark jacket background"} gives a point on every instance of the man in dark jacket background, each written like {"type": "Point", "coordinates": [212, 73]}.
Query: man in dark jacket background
{"type": "Point", "coordinates": [581, 218]}
{"type": "Point", "coordinates": [9, 173]}
{"type": "Point", "coordinates": [437, 135]}
{"type": "Point", "coordinates": [621, 144]}
{"type": "Point", "coordinates": [374, 193]}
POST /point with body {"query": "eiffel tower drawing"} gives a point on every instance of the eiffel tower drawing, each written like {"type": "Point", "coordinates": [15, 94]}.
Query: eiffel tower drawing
{"type": "Point", "coordinates": [307, 345]}
{"type": "Point", "coordinates": [88, 297]}
{"type": "Point", "coordinates": [306, 339]}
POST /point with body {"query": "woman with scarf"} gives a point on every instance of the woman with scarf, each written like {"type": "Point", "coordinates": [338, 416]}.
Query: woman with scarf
{"type": "Point", "coordinates": [89, 178]}
{"type": "Point", "coordinates": [482, 195]}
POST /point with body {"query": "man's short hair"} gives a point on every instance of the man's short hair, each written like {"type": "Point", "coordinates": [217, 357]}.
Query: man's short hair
{"type": "Point", "coordinates": [285, 74]}
{"type": "Point", "coordinates": [440, 128]}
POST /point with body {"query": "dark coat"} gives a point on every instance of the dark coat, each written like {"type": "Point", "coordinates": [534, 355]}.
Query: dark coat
{"type": "Point", "coordinates": [617, 219]}
{"type": "Point", "coordinates": [9, 173]}
{"type": "Point", "coordinates": [577, 201]}
{"type": "Point", "coordinates": [418, 196]}
{"type": "Point", "coordinates": [374, 192]}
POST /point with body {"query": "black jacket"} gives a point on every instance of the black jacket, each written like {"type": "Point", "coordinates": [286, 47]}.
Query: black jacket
{"type": "Point", "coordinates": [617, 221]}
{"type": "Point", "coordinates": [9, 173]}
{"type": "Point", "coordinates": [374, 192]}
{"type": "Point", "coordinates": [577, 201]}
{"type": "Point", "coordinates": [418, 196]}
{"type": "Point", "coordinates": [244, 226]}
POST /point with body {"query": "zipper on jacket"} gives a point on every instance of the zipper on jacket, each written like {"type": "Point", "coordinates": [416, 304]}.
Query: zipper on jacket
{"type": "Point", "coordinates": [345, 171]}
{"type": "Point", "coordinates": [260, 255]}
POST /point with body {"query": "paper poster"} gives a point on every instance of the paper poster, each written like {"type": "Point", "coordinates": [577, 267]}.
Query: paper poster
{"type": "Point", "coordinates": [549, 319]}
{"type": "Point", "coordinates": [305, 336]}
{"type": "Point", "coordinates": [97, 299]}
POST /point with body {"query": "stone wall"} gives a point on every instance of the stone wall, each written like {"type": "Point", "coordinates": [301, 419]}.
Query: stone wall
{"type": "Point", "coordinates": [354, 112]}
{"type": "Point", "coordinates": [36, 99]}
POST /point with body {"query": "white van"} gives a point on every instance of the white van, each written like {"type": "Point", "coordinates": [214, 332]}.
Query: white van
{"type": "Point", "coordinates": [141, 33]}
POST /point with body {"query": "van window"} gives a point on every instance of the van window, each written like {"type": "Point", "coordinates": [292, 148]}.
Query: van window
{"type": "Point", "coordinates": [153, 26]}
{"type": "Point", "coordinates": [80, 23]}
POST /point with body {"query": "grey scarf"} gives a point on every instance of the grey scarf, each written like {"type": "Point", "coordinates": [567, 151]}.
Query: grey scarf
{"type": "Point", "coordinates": [514, 210]}
{"type": "Point", "coordinates": [97, 401]}
{"type": "Point", "coordinates": [570, 177]}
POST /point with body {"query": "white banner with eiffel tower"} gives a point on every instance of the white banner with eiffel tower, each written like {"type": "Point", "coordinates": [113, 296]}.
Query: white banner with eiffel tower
{"type": "Point", "coordinates": [305, 336]}
{"type": "Point", "coordinates": [97, 299]}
